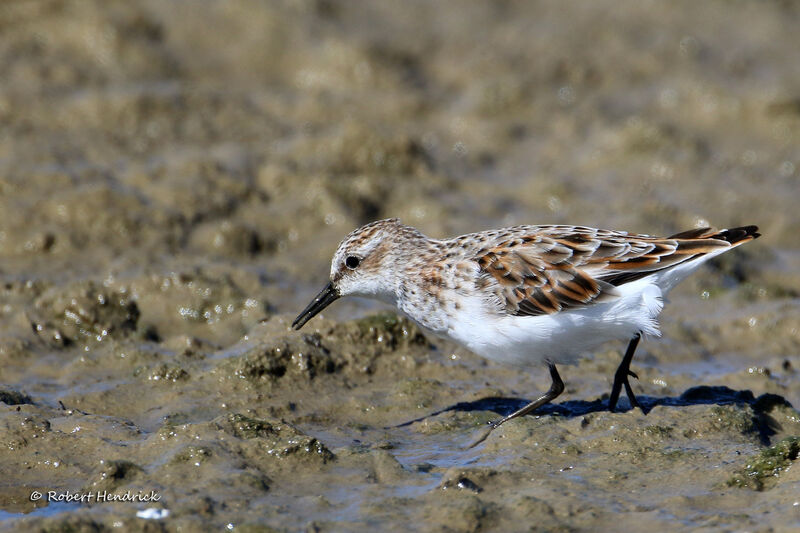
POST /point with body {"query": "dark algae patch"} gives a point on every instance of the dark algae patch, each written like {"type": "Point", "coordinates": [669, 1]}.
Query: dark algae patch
{"type": "Point", "coordinates": [390, 329]}
{"type": "Point", "coordinates": [275, 440]}
{"type": "Point", "coordinates": [762, 471]}
{"type": "Point", "coordinates": [270, 362]}
{"type": "Point", "coordinates": [12, 397]}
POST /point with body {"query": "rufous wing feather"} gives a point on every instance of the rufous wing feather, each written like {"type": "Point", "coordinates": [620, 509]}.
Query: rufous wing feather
{"type": "Point", "coordinates": [549, 269]}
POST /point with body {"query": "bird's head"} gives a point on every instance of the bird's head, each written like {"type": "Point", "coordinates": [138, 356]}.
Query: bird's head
{"type": "Point", "coordinates": [365, 264]}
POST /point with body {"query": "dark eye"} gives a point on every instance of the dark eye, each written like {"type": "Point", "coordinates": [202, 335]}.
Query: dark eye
{"type": "Point", "coordinates": [352, 262]}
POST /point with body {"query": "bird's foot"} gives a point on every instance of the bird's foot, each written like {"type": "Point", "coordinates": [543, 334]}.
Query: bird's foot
{"type": "Point", "coordinates": [621, 380]}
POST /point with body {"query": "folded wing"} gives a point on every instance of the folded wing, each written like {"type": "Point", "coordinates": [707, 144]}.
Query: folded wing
{"type": "Point", "coordinates": [546, 269]}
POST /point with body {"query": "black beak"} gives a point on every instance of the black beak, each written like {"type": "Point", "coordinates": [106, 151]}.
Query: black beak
{"type": "Point", "coordinates": [322, 300]}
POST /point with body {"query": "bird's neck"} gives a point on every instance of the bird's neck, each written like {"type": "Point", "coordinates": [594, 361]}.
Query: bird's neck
{"type": "Point", "coordinates": [410, 255]}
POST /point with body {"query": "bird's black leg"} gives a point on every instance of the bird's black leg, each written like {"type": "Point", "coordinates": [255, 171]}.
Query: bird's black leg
{"type": "Point", "coordinates": [556, 388]}
{"type": "Point", "coordinates": [621, 377]}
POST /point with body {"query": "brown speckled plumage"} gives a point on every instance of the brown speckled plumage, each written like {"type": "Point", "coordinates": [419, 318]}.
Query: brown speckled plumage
{"type": "Point", "coordinates": [525, 294]}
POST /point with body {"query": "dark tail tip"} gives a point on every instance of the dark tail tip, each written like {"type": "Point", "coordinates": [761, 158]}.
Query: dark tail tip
{"type": "Point", "coordinates": [733, 235]}
{"type": "Point", "coordinates": [738, 235]}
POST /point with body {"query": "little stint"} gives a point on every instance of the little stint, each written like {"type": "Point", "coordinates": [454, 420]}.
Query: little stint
{"type": "Point", "coordinates": [525, 295]}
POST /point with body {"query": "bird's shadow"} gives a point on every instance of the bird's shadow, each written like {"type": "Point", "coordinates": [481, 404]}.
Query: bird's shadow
{"type": "Point", "coordinates": [701, 395]}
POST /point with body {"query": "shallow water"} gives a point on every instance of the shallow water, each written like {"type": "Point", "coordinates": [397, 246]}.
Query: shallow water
{"type": "Point", "coordinates": [175, 176]}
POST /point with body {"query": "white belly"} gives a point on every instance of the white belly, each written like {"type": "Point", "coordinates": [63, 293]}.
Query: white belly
{"type": "Point", "coordinates": [561, 337]}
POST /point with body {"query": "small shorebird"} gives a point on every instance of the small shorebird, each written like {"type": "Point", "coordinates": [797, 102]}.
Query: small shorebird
{"type": "Point", "coordinates": [524, 295]}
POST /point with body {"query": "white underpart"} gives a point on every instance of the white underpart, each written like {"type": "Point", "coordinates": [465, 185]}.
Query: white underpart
{"type": "Point", "coordinates": [563, 337]}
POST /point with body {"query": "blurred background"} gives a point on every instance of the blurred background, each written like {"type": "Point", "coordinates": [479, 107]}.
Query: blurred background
{"type": "Point", "coordinates": [135, 132]}
{"type": "Point", "coordinates": [174, 173]}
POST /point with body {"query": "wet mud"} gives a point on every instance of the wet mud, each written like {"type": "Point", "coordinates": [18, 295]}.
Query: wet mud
{"type": "Point", "coordinates": [174, 177]}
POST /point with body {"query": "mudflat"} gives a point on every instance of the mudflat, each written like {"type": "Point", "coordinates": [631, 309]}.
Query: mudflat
{"type": "Point", "coordinates": [174, 177]}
